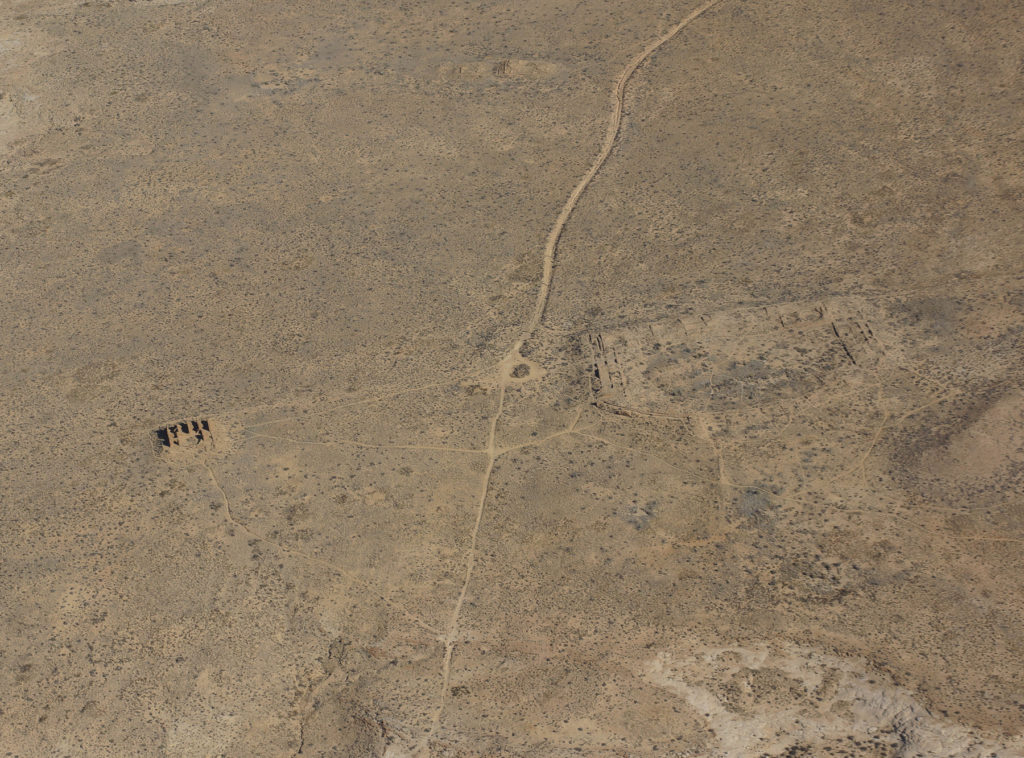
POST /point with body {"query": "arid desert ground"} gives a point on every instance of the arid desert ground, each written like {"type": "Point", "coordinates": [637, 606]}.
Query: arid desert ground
{"type": "Point", "coordinates": [437, 379]}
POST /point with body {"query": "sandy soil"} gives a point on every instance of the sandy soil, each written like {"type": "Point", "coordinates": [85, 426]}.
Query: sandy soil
{"type": "Point", "coordinates": [549, 379]}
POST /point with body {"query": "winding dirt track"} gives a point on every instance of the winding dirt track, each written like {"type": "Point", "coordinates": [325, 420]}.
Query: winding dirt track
{"type": "Point", "coordinates": [614, 125]}
{"type": "Point", "coordinates": [503, 379]}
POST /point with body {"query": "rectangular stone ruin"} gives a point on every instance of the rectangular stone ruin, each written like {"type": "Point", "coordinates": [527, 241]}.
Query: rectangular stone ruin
{"type": "Point", "coordinates": [192, 434]}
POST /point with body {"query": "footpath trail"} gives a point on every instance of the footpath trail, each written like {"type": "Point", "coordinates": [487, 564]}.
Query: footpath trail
{"type": "Point", "coordinates": [513, 355]}
{"type": "Point", "coordinates": [453, 623]}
